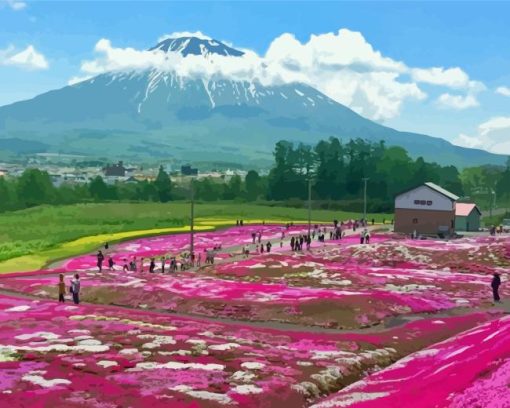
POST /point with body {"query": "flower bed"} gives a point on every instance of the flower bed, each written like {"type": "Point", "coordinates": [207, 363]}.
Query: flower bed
{"type": "Point", "coordinates": [95, 356]}
{"type": "Point", "coordinates": [471, 369]}
{"type": "Point", "coordinates": [337, 284]}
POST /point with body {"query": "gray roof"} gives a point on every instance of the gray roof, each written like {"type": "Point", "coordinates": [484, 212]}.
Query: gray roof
{"type": "Point", "coordinates": [442, 191]}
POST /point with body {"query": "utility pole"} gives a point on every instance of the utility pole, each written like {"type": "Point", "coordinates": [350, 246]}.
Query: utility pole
{"type": "Point", "coordinates": [365, 179]}
{"type": "Point", "coordinates": [192, 237]}
{"type": "Point", "coordinates": [309, 205]}
{"type": "Point", "coordinates": [491, 201]}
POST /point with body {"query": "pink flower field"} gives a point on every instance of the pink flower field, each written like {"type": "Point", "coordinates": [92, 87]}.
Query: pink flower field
{"type": "Point", "coordinates": [279, 329]}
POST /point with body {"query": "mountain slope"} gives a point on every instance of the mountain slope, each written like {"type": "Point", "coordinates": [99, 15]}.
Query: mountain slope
{"type": "Point", "coordinates": [157, 114]}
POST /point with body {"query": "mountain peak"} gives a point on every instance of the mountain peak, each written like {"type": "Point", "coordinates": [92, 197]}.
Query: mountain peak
{"type": "Point", "coordinates": [190, 45]}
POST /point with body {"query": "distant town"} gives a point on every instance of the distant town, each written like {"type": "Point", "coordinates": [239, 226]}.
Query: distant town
{"type": "Point", "coordinates": [74, 169]}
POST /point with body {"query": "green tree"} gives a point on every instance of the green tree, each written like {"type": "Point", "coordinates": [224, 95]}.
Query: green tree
{"type": "Point", "coordinates": [7, 199]}
{"type": "Point", "coordinates": [163, 186]}
{"type": "Point", "coordinates": [98, 189]}
{"type": "Point", "coordinates": [233, 188]}
{"type": "Point", "coordinates": [34, 187]}
{"type": "Point", "coordinates": [253, 186]}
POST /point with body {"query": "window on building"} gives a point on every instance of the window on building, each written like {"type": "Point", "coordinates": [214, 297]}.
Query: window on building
{"type": "Point", "coordinates": [429, 202]}
{"type": "Point", "coordinates": [415, 220]}
{"type": "Point", "coordinates": [423, 202]}
{"type": "Point", "coordinates": [417, 202]}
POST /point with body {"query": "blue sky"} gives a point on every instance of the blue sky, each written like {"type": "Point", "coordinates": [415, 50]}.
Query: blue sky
{"type": "Point", "coordinates": [471, 36]}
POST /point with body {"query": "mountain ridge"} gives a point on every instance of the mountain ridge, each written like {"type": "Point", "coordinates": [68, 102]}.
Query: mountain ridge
{"type": "Point", "coordinates": [155, 113]}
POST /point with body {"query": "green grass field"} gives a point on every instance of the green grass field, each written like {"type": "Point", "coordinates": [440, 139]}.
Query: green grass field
{"type": "Point", "coordinates": [31, 238]}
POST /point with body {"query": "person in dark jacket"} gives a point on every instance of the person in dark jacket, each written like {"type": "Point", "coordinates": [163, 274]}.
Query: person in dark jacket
{"type": "Point", "coordinates": [100, 259]}
{"type": "Point", "coordinates": [61, 288]}
{"type": "Point", "coordinates": [496, 283]}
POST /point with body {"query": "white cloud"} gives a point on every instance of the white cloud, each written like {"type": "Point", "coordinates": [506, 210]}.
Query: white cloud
{"type": "Point", "coordinates": [492, 135]}
{"type": "Point", "coordinates": [457, 102]}
{"type": "Point", "coordinates": [451, 77]}
{"type": "Point", "coordinates": [343, 65]}
{"type": "Point", "coordinates": [503, 90]}
{"type": "Point", "coordinates": [29, 58]}
{"type": "Point", "coordinates": [14, 4]}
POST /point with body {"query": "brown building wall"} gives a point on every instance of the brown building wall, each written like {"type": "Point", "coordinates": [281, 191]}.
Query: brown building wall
{"type": "Point", "coordinates": [428, 221]}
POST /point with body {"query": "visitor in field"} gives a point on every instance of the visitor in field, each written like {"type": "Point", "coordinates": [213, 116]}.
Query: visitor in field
{"type": "Point", "coordinates": [125, 267]}
{"type": "Point", "coordinates": [292, 243]}
{"type": "Point", "coordinates": [141, 265]}
{"type": "Point", "coordinates": [259, 237]}
{"type": "Point", "coordinates": [61, 288]}
{"type": "Point", "coordinates": [75, 289]}
{"type": "Point", "coordinates": [110, 263]}
{"type": "Point", "coordinates": [152, 265]}
{"type": "Point", "coordinates": [362, 237]}
{"type": "Point", "coordinates": [100, 259]}
{"type": "Point", "coordinates": [261, 248]}
{"type": "Point", "coordinates": [241, 223]}
{"type": "Point", "coordinates": [373, 221]}
{"type": "Point", "coordinates": [163, 260]}
{"type": "Point", "coordinates": [253, 236]}
{"type": "Point", "coordinates": [367, 237]}
{"type": "Point", "coordinates": [495, 284]}
{"type": "Point", "coordinates": [106, 246]}
{"type": "Point", "coordinates": [268, 246]}
{"type": "Point", "coordinates": [199, 260]}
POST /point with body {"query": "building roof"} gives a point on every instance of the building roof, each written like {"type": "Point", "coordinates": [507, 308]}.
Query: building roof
{"type": "Point", "coordinates": [434, 187]}
{"type": "Point", "coordinates": [464, 209]}
{"type": "Point", "coordinates": [442, 191]}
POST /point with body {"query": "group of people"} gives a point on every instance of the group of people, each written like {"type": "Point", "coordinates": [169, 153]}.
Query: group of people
{"type": "Point", "coordinates": [296, 243]}
{"type": "Point", "coordinates": [74, 288]}
{"type": "Point", "coordinates": [493, 230]}
{"type": "Point", "coordinates": [365, 236]}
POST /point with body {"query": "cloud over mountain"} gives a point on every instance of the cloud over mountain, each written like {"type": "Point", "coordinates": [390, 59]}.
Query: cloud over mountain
{"type": "Point", "coordinates": [343, 65]}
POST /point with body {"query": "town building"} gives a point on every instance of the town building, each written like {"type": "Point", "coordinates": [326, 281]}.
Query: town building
{"type": "Point", "coordinates": [115, 170]}
{"type": "Point", "coordinates": [187, 170]}
{"type": "Point", "coordinates": [467, 217]}
{"type": "Point", "coordinates": [427, 210]}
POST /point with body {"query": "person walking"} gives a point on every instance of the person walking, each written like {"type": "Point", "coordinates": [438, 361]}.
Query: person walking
{"type": "Point", "coordinates": [163, 260]}
{"type": "Point", "coordinates": [110, 263]}
{"type": "Point", "coordinates": [100, 259]}
{"type": "Point", "coordinates": [495, 284]}
{"type": "Point", "coordinates": [367, 237]}
{"type": "Point", "coordinates": [362, 237]}
{"type": "Point", "coordinates": [292, 243]}
{"type": "Point", "coordinates": [253, 236]}
{"type": "Point", "coordinates": [106, 246]}
{"type": "Point", "coordinates": [152, 265]}
{"type": "Point", "coordinates": [268, 246]}
{"type": "Point", "coordinates": [75, 289]}
{"type": "Point", "coordinates": [61, 288]}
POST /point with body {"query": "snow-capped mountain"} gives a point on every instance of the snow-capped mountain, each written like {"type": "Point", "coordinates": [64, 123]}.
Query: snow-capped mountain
{"type": "Point", "coordinates": [157, 113]}
{"type": "Point", "coordinates": [196, 46]}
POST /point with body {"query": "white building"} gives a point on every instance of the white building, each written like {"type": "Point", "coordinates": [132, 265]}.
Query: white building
{"type": "Point", "coordinates": [426, 209]}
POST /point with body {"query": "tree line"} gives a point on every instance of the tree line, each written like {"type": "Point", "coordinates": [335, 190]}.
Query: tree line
{"type": "Point", "coordinates": [335, 171]}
